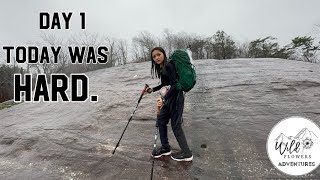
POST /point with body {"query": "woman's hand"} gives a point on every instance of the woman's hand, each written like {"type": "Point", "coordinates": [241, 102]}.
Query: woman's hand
{"type": "Point", "coordinates": [147, 90]}
{"type": "Point", "coordinates": [159, 103]}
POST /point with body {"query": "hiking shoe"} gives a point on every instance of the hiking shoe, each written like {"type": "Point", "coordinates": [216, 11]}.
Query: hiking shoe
{"type": "Point", "coordinates": [182, 156]}
{"type": "Point", "coordinates": [161, 151]}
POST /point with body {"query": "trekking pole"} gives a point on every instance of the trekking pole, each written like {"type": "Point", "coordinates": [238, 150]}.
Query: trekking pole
{"type": "Point", "coordinates": [154, 148]}
{"type": "Point", "coordinates": [155, 139]}
{"type": "Point", "coordinates": [146, 86]}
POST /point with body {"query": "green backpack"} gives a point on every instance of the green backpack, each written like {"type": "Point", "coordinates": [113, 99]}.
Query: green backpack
{"type": "Point", "coordinates": [185, 70]}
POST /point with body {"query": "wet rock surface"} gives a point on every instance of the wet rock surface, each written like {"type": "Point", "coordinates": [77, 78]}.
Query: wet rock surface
{"type": "Point", "coordinates": [227, 119]}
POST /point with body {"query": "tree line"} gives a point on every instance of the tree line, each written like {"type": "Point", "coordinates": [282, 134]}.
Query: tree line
{"type": "Point", "coordinates": [222, 46]}
{"type": "Point", "coordinates": [218, 46]}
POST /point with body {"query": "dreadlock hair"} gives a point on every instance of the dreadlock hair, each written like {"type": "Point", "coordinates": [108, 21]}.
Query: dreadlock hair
{"type": "Point", "coordinates": [155, 68]}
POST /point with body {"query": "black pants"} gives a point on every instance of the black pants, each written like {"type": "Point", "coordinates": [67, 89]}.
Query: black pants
{"type": "Point", "coordinates": [173, 110]}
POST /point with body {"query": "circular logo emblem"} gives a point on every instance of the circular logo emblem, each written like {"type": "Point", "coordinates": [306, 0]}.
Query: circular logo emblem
{"type": "Point", "coordinates": [293, 146]}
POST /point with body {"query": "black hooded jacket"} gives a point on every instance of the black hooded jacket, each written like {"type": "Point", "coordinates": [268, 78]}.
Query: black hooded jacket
{"type": "Point", "coordinates": [168, 77]}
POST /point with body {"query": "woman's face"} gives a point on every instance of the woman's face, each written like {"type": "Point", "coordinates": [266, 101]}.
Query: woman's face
{"type": "Point", "coordinates": [158, 57]}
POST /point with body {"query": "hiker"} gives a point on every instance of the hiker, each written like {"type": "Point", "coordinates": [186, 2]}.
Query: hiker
{"type": "Point", "coordinates": [173, 103]}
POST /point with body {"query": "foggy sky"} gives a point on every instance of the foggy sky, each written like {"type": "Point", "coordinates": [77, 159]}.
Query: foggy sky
{"type": "Point", "coordinates": [244, 20]}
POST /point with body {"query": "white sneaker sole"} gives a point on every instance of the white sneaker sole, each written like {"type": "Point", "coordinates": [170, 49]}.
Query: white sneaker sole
{"type": "Point", "coordinates": [164, 154]}
{"type": "Point", "coordinates": [185, 159]}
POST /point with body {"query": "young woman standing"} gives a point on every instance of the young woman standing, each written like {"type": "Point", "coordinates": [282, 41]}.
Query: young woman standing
{"type": "Point", "coordinates": [173, 103]}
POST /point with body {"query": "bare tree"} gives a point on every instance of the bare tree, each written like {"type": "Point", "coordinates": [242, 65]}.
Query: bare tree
{"type": "Point", "coordinates": [123, 51]}
{"type": "Point", "coordinates": [85, 39]}
{"type": "Point", "coordinates": [49, 40]}
{"type": "Point", "coordinates": [242, 50]}
{"type": "Point", "coordinates": [197, 47]}
{"type": "Point", "coordinates": [113, 51]}
{"type": "Point", "coordinates": [168, 38]}
{"type": "Point", "coordinates": [181, 40]}
{"type": "Point", "coordinates": [144, 42]}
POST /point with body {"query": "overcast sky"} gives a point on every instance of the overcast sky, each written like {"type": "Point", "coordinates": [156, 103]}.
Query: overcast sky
{"type": "Point", "coordinates": [244, 20]}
